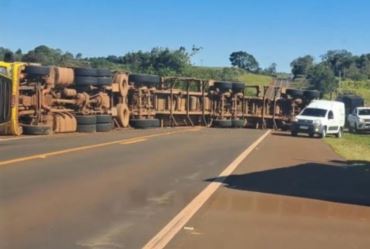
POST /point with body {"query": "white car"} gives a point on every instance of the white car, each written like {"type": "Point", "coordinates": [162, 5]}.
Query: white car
{"type": "Point", "coordinates": [321, 117]}
{"type": "Point", "coordinates": [359, 119]}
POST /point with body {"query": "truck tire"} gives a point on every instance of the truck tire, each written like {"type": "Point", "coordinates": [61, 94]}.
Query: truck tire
{"type": "Point", "coordinates": [85, 120]}
{"type": "Point", "coordinates": [101, 119]}
{"type": "Point", "coordinates": [37, 70]}
{"type": "Point", "coordinates": [223, 86]}
{"type": "Point", "coordinates": [145, 123]}
{"type": "Point", "coordinates": [222, 123]}
{"type": "Point", "coordinates": [238, 123]}
{"type": "Point", "coordinates": [145, 80]}
{"type": "Point", "coordinates": [238, 87]}
{"type": "Point", "coordinates": [37, 129]}
{"type": "Point", "coordinates": [104, 73]}
{"type": "Point", "coordinates": [85, 81]}
{"type": "Point", "coordinates": [86, 128]}
{"type": "Point", "coordinates": [86, 72]}
{"type": "Point", "coordinates": [311, 94]}
{"type": "Point", "coordinates": [295, 93]}
{"type": "Point", "coordinates": [104, 127]}
{"type": "Point", "coordinates": [104, 81]}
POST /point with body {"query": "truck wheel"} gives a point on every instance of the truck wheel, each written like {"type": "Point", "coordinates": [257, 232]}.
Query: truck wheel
{"type": "Point", "coordinates": [86, 128]}
{"type": "Point", "coordinates": [222, 123]}
{"type": "Point", "coordinates": [86, 72]}
{"type": "Point", "coordinates": [295, 93]}
{"type": "Point", "coordinates": [104, 123]}
{"type": "Point", "coordinates": [145, 123]}
{"type": "Point", "coordinates": [88, 119]}
{"type": "Point", "coordinates": [86, 123]}
{"type": "Point", "coordinates": [104, 127]}
{"type": "Point", "coordinates": [238, 87]}
{"type": "Point", "coordinates": [238, 123]}
{"type": "Point", "coordinates": [223, 86]}
{"type": "Point", "coordinates": [104, 73]}
{"type": "Point", "coordinates": [123, 115]}
{"type": "Point", "coordinates": [104, 81]}
{"type": "Point", "coordinates": [37, 70]}
{"type": "Point", "coordinates": [122, 80]}
{"type": "Point", "coordinates": [101, 119]}
{"type": "Point", "coordinates": [36, 129]}
{"type": "Point", "coordinates": [144, 80]}
{"type": "Point", "coordinates": [85, 81]}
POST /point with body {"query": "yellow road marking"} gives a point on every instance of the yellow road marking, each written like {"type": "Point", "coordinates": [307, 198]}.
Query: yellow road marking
{"type": "Point", "coordinates": [161, 239]}
{"type": "Point", "coordinates": [86, 147]}
{"type": "Point", "coordinates": [134, 141]}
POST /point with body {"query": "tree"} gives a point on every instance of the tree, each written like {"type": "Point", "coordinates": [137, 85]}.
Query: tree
{"type": "Point", "coordinates": [162, 61]}
{"type": "Point", "coordinates": [322, 78]}
{"type": "Point", "coordinates": [338, 60]}
{"type": "Point", "coordinates": [271, 69]}
{"type": "Point", "coordinates": [242, 59]}
{"type": "Point", "coordinates": [301, 65]}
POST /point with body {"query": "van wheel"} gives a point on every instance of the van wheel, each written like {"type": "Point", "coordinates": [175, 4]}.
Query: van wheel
{"type": "Point", "coordinates": [339, 134]}
{"type": "Point", "coordinates": [350, 128]}
{"type": "Point", "coordinates": [323, 133]}
{"type": "Point", "coordinates": [294, 133]}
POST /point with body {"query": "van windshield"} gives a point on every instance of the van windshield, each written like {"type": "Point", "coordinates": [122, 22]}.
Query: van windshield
{"type": "Point", "coordinates": [314, 112]}
{"type": "Point", "coordinates": [364, 112]}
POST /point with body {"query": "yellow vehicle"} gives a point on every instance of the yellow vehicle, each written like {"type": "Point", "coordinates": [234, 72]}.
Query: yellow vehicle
{"type": "Point", "coordinates": [9, 95]}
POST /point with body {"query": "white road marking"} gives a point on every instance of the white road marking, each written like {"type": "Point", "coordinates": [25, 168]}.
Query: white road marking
{"type": "Point", "coordinates": [161, 239]}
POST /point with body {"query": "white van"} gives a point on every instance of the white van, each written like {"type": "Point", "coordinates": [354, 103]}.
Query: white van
{"type": "Point", "coordinates": [321, 117]}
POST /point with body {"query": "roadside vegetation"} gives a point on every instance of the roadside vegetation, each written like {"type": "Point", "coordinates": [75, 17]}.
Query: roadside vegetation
{"type": "Point", "coordinates": [161, 61]}
{"type": "Point", "coordinates": [353, 147]}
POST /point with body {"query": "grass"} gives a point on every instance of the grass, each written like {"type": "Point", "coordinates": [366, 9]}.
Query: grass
{"type": "Point", "coordinates": [361, 88]}
{"type": "Point", "coordinates": [255, 79]}
{"type": "Point", "coordinates": [352, 146]}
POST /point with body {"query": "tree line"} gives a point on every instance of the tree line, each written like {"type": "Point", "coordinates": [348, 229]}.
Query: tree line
{"type": "Point", "coordinates": [161, 61]}
{"type": "Point", "coordinates": [334, 66]}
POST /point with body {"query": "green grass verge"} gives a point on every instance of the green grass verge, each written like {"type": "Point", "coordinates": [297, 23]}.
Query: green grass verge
{"type": "Point", "coordinates": [352, 146]}
{"type": "Point", "coordinates": [361, 88]}
{"type": "Point", "coordinates": [255, 79]}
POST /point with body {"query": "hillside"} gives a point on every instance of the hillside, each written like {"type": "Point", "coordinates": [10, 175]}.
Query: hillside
{"type": "Point", "coordinates": [361, 88]}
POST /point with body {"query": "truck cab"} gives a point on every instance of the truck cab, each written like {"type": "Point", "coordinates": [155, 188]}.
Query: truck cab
{"type": "Point", "coordinates": [5, 100]}
{"type": "Point", "coordinates": [320, 117]}
{"type": "Point", "coordinates": [9, 83]}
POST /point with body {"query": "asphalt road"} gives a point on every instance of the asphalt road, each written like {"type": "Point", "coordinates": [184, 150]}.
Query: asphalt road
{"type": "Point", "coordinates": [291, 192]}
{"type": "Point", "coordinates": [106, 191]}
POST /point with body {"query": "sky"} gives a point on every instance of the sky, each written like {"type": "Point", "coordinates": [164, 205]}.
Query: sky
{"type": "Point", "coordinates": [272, 31]}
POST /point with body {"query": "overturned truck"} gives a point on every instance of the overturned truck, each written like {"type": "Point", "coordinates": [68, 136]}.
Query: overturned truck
{"type": "Point", "coordinates": [37, 99]}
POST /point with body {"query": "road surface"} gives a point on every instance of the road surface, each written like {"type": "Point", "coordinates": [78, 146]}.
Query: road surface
{"type": "Point", "coordinates": [120, 189]}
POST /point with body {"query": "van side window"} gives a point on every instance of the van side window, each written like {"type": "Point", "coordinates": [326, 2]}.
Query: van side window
{"type": "Point", "coordinates": [331, 115]}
